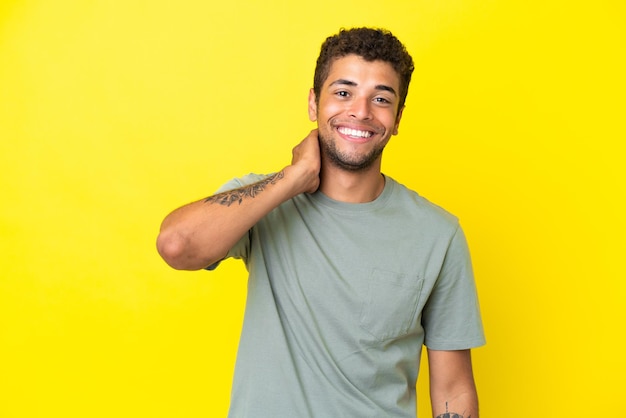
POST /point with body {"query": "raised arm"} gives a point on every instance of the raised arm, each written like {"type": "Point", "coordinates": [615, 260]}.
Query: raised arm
{"type": "Point", "coordinates": [452, 388]}
{"type": "Point", "coordinates": [201, 233]}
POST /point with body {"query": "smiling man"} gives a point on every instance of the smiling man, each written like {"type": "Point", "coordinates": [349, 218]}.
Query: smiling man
{"type": "Point", "coordinates": [351, 273]}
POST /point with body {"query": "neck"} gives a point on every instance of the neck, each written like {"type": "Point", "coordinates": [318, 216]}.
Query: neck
{"type": "Point", "coordinates": [351, 187]}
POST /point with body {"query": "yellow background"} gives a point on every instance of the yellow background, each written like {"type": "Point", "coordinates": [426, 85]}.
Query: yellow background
{"type": "Point", "coordinates": [112, 113]}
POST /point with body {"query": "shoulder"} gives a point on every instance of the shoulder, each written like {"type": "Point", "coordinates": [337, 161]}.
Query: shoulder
{"type": "Point", "coordinates": [420, 206]}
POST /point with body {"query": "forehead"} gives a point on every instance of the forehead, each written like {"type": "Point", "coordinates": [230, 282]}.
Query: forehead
{"type": "Point", "coordinates": [362, 72]}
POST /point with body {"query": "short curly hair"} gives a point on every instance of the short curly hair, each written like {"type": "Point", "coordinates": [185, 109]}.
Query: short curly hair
{"type": "Point", "coordinates": [371, 44]}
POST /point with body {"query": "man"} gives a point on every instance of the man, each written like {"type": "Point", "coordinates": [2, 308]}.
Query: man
{"type": "Point", "coordinates": [350, 272]}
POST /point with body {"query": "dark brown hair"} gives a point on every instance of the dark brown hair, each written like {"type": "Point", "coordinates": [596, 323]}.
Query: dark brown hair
{"type": "Point", "coordinates": [370, 44]}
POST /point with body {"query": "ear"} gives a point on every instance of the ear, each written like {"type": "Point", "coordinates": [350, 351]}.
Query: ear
{"type": "Point", "coordinates": [312, 106]}
{"type": "Point", "coordinates": [395, 127]}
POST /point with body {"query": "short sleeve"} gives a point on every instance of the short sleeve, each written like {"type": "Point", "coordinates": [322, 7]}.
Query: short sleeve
{"type": "Point", "coordinates": [451, 316]}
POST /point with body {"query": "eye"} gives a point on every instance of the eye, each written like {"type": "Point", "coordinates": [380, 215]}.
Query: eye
{"type": "Point", "coordinates": [342, 93]}
{"type": "Point", "coordinates": [382, 100]}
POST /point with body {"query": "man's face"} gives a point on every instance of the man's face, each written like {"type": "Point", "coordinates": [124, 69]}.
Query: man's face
{"type": "Point", "coordinates": [357, 111]}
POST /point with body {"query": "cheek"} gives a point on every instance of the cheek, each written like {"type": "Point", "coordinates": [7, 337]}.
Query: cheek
{"type": "Point", "coordinates": [328, 109]}
{"type": "Point", "coordinates": [389, 120]}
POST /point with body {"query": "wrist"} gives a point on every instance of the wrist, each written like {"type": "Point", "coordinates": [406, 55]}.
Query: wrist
{"type": "Point", "coordinates": [302, 178]}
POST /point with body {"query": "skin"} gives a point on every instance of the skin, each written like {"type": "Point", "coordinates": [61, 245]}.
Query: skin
{"type": "Point", "coordinates": [357, 96]}
{"type": "Point", "coordinates": [452, 387]}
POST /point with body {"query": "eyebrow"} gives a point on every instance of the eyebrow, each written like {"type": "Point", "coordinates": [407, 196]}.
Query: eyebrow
{"type": "Point", "coordinates": [345, 82]}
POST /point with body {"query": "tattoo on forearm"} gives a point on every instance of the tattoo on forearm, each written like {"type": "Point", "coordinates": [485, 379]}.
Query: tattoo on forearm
{"type": "Point", "coordinates": [231, 196]}
{"type": "Point", "coordinates": [451, 414]}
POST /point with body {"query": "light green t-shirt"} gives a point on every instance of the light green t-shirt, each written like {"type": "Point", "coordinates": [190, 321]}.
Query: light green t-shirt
{"type": "Point", "coordinates": [341, 298]}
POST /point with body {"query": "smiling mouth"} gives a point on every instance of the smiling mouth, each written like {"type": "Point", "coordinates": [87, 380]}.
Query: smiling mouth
{"type": "Point", "coordinates": [354, 133]}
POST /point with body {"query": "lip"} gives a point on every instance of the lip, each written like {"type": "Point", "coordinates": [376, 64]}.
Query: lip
{"type": "Point", "coordinates": [349, 138]}
{"type": "Point", "coordinates": [355, 138]}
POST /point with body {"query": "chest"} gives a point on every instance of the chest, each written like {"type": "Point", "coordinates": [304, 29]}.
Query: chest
{"type": "Point", "coordinates": [361, 275]}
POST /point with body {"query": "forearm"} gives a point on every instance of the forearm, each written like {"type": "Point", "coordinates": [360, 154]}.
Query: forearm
{"type": "Point", "coordinates": [452, 387]}
{"type": "Point", "coordinates": [463, 404]}
{"type": "Point", "coordinates": [201, 233]}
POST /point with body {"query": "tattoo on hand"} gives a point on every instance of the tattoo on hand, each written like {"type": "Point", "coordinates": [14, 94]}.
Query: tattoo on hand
{"type": "Point", "coordinates": [229, 197]}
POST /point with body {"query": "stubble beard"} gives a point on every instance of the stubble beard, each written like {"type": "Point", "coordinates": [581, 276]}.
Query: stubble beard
{"type": "Point", "coordinates": [345, 161]}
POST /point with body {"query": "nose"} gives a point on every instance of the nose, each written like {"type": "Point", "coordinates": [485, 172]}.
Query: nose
{"type": "Point", "coordinates": [360, 108]}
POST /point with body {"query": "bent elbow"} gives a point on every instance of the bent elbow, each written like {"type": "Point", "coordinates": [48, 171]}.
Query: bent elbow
{"type": "Point", "coordinates": [170, 247]}
{"type": "Point", "coordinates": [174, 249]}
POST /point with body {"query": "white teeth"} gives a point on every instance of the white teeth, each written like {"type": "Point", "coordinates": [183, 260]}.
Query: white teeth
{"type": "Point", "coordinates": [355, 133]}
